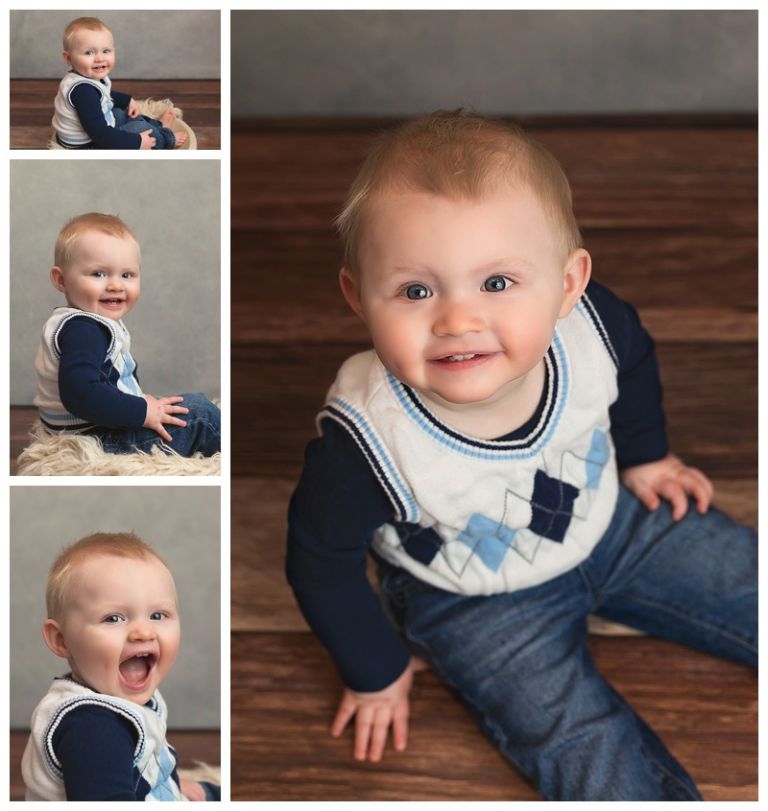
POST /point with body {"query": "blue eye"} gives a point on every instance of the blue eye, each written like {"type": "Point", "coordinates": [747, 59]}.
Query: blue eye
{"type": "Point", "coordinates": [156, 615]}
{"type": "Point", "coordinates": [415, 292]}
{"type": "Point", "coordinates": [495, 284]}
{"type": "Point", "coordinates": [113, 618]}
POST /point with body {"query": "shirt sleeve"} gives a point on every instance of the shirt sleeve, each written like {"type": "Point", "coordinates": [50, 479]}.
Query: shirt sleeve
{"type": "Point", "coordinates": [95, 748]}
{"type": "Point", "coordinates": [84, 388]}
{"type": "Point", "coordinates": [122, 100]}
{"type": "Point", "coordinates": [638, 425]}
{"type": "Point", "coordinates": [87, 103]}
{"type": "Point", "coordinates": [334, 511]}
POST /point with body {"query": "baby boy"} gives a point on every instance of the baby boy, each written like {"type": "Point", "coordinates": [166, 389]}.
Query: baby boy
{"type": "Point", "coordinates": [88, 113]}
{"type": "Point", "coordinates": [502, 450]}
{"type": "Point", "coordinates": [99, 732]}
{"type": "Point", "coordinates": [86, 376]}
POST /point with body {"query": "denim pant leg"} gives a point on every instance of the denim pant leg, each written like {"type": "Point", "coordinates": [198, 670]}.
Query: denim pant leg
{"type": "Point", "coordinates": [520, 663]}
{"type": "Point", "coordinates": [692, 581]}
{"type": "Point", "coordinates": [164, 137]}
{"type": "Point", "coordinates": [202, 432]}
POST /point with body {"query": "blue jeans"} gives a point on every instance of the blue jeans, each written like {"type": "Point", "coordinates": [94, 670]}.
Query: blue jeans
{"type": "Point", "coordinates": [202, 432]}
{"type": "Point", "coordinates": [520, 660]}
{"type": "Point", "coordinates": [164, 137]}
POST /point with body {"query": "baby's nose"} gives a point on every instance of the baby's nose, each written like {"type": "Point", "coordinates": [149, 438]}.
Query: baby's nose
{"type": "Point", "coordinates": [141, 630]}
{"type": "Point", "coordinates": [456, 318]}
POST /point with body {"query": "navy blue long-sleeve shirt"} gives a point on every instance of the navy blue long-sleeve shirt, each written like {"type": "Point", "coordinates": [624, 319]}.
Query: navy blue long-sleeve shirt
{"type": "Point", "coordinates": [339, 504]}
{"type": "Point", "coordinates": [86, 100]}
{"type": "Point", "coordinates": [84, 387]}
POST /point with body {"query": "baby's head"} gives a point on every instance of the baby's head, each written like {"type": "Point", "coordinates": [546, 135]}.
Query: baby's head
{"type": "Point", "coordinates": [461, 253]}
{"type": "Point", "coordinates": [89, 48]}
{"type": "Point", "coordinates": [97, 265]}
{"type": "Point", "coordinates": [113, 614]}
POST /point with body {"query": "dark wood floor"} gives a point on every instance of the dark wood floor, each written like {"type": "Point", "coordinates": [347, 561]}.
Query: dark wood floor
{"type": "Point", "coordinates": [200, 101]}
{"type": "Point", "coordinates": [668, 209]}
{"type": "Point", "coordinates": [191, 746]}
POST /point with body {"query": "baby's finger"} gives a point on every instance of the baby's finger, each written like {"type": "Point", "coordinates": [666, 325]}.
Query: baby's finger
{"type": "Point", "coordinates": [701, 488]}
{"type": "Point", "coordinates": [343, 714]}
{"type": "Point", "coordinates": [169, 419]}
{"type": "Point", "coordinates": [163, 433]}
{"type": "Point", "coordinates": [400, 729]}
{"type": "Point", "coordinates": [379, 735]}
{"type": "Point", "coordinates": [646, 495]}
{"type": "Point", "coordinates": [674, 493]}
{"type": "Point", "coordinates": [363, 723]}
{"type": "Point", "coordinates": [171, 399]}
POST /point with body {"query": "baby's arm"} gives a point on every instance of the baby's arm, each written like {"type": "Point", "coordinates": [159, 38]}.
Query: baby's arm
{"type": "Point", "coordinates": [334, 511]}
{"type": "Point", "coordinates": [87, 103]}
{"type": "Point", "coordinates": [638, 425]}
{"type": "Point", "coordinates": [83, 344]}
{"type": "Point", "coordinates": [95, 747]}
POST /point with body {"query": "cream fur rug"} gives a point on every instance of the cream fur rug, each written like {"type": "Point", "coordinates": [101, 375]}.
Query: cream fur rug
{"type": "Point", "coordinates": [53, 454]}
{"type": "Point", "coordinates": [154, 108]}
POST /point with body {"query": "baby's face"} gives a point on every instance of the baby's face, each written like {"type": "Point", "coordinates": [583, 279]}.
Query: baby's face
{"type": "Point", "coordinates": [121, 626]}
{"type": "Point", "coordinates": [460, 296]}
{"type": "Point", "coordinates": [92, 54]}
{"type": "Point", "coordinates": [103, 275]}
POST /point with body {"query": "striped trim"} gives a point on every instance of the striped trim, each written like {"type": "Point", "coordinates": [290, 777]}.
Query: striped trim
{"type": "Point", "coordinates": [382, 465]}
{"type": "Point", "coordinates": [558, 378]}
{"type": "Point", "coordinates": [54, 347]}
{"type": "Point", "coordinates": [54, 764]}
{"type": "Point", "coordinates": [588, 310]}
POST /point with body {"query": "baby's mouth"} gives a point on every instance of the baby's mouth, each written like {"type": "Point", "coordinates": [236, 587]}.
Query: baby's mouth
{"type": "Point", "coordinates": [136, 671]}
{"type": "Point", "coordinates": [112, 302]}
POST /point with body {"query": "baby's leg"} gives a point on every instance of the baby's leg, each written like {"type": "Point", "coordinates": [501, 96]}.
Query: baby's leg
{"type": "Point", "coordinates": [167, 119]}
{"type": "Point", "coordinates": [520, 663]}
{"type": "Point", "coordinates": [693, 581]}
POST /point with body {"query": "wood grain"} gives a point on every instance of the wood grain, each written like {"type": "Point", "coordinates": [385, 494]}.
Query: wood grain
{"type": "Point", "coordinates": [284, 693]}
{"type": "Point", "coordinates": [199, 99]}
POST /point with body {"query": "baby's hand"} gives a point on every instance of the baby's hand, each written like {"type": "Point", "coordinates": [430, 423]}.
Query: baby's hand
{"type": "Point", "coordinates": [161, 410]}
{"type": "Point", "coordinates": [147, 140]}
{"type": "Point", "coordinates": [192, 790]}
{"type": "Point", "coordinates": [133, 108]}
{"type": "Point", "coordinates": [375, 712]}
{"type": "Point", "coordinates": [671, 479]}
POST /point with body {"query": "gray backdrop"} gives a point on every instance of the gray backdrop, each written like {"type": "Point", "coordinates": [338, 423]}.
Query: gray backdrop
{"type": "Point", "coordinates": [148, 44]}
{"type": "Point", "coordinates": [181, 523]}
{"type": "Point", "coordinates": [498, 62]}
{"type": "Point", "coordinates": [173, 208]}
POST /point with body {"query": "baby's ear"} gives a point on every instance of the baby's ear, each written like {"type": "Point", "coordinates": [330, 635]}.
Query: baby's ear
{"type": "Point", "coordinates": [65, 58]}
{"type": "Point", "coordinates": [578, 269]}
{"type": "Point", "coordinates": [54, 638]}
{"type": "Point", "coordinates": [351, 290]}
{"type": "Point", "coordinates": [57, 279]}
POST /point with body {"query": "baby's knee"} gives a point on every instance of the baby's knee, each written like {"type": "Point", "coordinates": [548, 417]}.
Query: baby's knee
{"type": "Point", "coordinates": [200, 407]}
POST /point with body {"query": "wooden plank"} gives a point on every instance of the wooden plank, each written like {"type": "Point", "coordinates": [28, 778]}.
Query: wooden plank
{"type": "Point", "coordinates": [682, 178]}
{"type": "Point", "coordinates": [32, 107]}
{"type": "Point", "coordinates": [191, 746]}
{"type": "Point", "coordinates": [261, 598]}
{"type": "Point", "coordinates": [661, 273]}
{"type": "Point", "coordinates": [710, 401]}
{"type": "Point", "coordinates": [285, 690]}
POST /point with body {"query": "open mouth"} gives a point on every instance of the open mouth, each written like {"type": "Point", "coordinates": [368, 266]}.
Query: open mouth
{"type": "Point", "coordinates": [464, 360]}
{"type": "Point", "coordinates": [112, 302]}
{"type": "Point", "coordinates": [136, 671]}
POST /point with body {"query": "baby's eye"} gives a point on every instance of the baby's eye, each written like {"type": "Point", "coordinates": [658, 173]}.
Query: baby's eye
{"type": "Point", "coordinates": [415, 292]}
{"type": "Point", "coordinates": [89, 53]}
{"type": "Point", "coordinates": [98, 274]}
{"type": "Point", "coordinates": [127, 274]}
{"type": "Point", "coordinates": [495, 284]}
{"type": "Point", "coordinates": [157, 615]}
{"type": "Point", "coordinates": [112, 618]}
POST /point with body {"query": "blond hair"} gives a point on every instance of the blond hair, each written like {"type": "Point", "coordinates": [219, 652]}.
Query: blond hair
{"type": "Point", "coordinates": [115, 544]}
{"type": "Point", "coordinates": [80, 24]}
{"type": "Point", "coordinates": [76, 227]}
{"type": "Point", "coordinates": [457, 154]}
